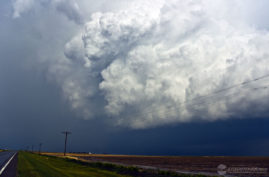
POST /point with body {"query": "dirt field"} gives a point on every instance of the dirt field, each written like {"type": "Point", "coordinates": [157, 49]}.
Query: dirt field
{"type": "Point", "coordinates": [248, 166]}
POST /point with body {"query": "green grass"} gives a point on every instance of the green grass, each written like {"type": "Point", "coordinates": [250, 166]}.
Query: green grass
{"type": "Point", "coordinates": [33, 165]}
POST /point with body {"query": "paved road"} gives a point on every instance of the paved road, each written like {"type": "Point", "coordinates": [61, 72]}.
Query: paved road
{"type": "Point", "coordinates": [8, 163]}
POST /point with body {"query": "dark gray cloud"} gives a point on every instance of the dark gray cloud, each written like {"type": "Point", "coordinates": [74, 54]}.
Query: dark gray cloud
{"type": "Point", "coordinates": [140, 58]}
{"type": "Point", "coordinates": [133, 66]}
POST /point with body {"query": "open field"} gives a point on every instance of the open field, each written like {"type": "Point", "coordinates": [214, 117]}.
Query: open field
{"type": "Point", "coordinates": [33, 165]}
{"type": "Point", "coordinates": [180, 164]}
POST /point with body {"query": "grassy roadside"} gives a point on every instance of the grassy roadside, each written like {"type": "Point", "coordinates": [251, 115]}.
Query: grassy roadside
{"type": "Point", "coordinates": [33, 165]}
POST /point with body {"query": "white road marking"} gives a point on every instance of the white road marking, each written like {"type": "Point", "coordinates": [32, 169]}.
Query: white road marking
{"type": "Point", "coordinates": [5, 166]}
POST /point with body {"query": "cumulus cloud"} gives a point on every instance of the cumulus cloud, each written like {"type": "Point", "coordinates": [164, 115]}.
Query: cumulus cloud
{"type": "Point", "coordinates": [157, 62]}
{"type": "Point", "coordinates": [156, 58]}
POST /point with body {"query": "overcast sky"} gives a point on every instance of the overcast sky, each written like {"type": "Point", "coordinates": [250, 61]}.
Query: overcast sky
{"type": "Point", "coordinates": [136, 77]}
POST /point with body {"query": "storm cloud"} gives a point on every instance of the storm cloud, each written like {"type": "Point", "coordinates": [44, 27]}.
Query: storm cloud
{"type": "Point", "coordinates": [150, 63]}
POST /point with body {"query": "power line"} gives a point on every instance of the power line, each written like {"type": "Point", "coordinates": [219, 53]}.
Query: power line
{"type": "Point", "coordinates": [206, 101]}
{"type": "Point", "coordinates": [65, 142]}
{"type": "Point", "coordinates": [245, 83]}
{"type": "Point", "coordinates": [235, 86]}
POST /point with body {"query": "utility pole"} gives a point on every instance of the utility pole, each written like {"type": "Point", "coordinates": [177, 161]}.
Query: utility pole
{"type": "Point", "coordinates": [40, 145]}
{"type": "Point", "coordinates": [66, 134]}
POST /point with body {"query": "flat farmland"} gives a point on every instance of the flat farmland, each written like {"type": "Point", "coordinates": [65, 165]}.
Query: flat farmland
{"type": "Point", "coordinates": [203, 164]}
{"type": "Point", "coordinates": [34, 165]}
